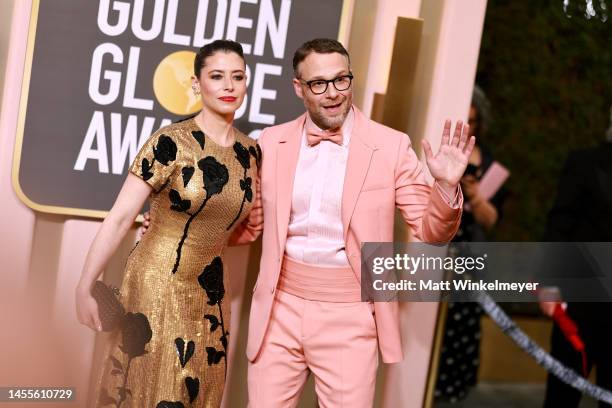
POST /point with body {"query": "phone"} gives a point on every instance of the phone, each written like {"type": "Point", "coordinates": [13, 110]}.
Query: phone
{"type": "Point", "coordinates": [492, 180]}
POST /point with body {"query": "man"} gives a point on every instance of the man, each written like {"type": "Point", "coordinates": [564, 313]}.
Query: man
{"type": "Point", "coordinates": [330, 180]}
{"type": "Point", "coordinates": [582, 212]}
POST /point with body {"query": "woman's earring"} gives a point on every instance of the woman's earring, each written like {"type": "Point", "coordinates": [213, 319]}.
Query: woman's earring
{"type": "Point", "coordinates": [196, 91]}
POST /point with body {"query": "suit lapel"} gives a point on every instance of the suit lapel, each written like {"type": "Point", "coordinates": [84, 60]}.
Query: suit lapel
{"type": "Point", "coordinates": [358, 163]}
{"type": "Point", "coordinates": [286, 162]}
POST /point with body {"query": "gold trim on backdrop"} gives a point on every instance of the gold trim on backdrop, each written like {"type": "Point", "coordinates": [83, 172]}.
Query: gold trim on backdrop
{"type": "Point", "coordinates": [378, 107]}
{"type": "Point", "coordinates": [434, 358]}
{"type": "Point", "coordinates": [344, 30]}
{"type": "Point", "coordinates": [401, 84]}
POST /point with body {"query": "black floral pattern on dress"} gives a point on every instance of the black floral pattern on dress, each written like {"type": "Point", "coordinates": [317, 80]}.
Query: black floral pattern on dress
{"type": "Point", "coordinates": [184, 355]}
{"type": "Point", "coordinates": [165, 151]}
{"type": "Point", "coordinates": [242, 155]}
{"type": "Point", "coordinates": [187, 172]}
{"type": "Point", "coordinates": [244, 158]}
{"type": "Point", "coordinates": [136, 333]}
{"type": "Point", "coordinates": [214, 356]}
{"type": "Point", "coordinates": [178, 204]}
{"type": "Point", "coordinates": [193, 388]}
{"type": "Point", "coordinates": [168, 404]}
{"type": "Point", "coordinates": [198, 135]}
{"type": "Point", "coordinates": [214, 322]}
{"type": "Point", "coordinates": [256, 153]}
{"type": "Point", "coordinates": [145, 167]}
{"type": "Point", "coordinates": [211, 280]}
{"type": "Point", "coordinates": [215, 177]}
{"type": "Point", "coordinates": [245, 185]}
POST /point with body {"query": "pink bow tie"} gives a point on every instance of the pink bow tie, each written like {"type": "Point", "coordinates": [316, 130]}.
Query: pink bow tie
{"type": "Point", "coordinates": [315, 136]}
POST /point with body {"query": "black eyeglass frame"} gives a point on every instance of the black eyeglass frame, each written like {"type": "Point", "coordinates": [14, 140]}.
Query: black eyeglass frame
{"type": "Point", "coordinates": [327, 82]}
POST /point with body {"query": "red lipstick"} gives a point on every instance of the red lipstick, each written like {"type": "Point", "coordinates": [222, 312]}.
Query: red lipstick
{"type": "Point", "coordinates": [228, 98]}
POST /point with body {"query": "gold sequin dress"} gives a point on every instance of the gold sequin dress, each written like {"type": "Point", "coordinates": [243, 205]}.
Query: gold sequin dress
{"type": "Point", "coordinates": [171, 348]}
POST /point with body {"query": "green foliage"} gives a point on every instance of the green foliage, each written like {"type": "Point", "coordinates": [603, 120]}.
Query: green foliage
{"type": "Point", "coordinates": [549, 81]}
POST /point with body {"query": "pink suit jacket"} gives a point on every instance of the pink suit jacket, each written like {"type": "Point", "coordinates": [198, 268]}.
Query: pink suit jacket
{"type": "Point", "coordinates": [382, 173]}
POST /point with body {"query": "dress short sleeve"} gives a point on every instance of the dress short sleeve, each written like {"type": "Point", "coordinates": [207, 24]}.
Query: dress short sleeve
{"type": "Point", "coordinates": [156, 160]}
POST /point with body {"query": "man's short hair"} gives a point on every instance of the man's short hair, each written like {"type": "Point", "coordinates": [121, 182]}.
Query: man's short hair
{"type": "Point", "coordinates": [318, 45]}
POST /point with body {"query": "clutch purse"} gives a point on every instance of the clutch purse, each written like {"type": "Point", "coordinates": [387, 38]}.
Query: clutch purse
{"type": "Point", "coordinates": [111, 311]}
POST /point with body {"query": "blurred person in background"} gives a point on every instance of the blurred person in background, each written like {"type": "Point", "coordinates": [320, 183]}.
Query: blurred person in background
{"type": "Point", "coordinates": [460, 350]}
{"type": "Point", "coordinates": [582, 212]}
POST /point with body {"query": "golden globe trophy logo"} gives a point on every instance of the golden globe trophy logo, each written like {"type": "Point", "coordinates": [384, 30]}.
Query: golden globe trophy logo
{"type": "Point", "coordinates": [107, 74]}
{"type": "Point", "coordinates": [172, 85]}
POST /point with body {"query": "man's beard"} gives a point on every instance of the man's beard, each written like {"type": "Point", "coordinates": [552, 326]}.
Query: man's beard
{"type": "Point", "coordinates": [327, 123]}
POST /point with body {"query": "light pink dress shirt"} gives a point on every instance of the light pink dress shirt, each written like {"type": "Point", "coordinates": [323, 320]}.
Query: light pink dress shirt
{"type": "Point", "coordinates": [314, 235]}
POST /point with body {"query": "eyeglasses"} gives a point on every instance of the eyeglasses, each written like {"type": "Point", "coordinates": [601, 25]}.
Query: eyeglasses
{"type": "Point", "coordinates": [319, 86]}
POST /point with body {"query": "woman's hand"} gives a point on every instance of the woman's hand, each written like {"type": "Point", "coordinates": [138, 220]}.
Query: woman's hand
{"type": "Point", "coordinates": [548, 308]}
{"type": "Point", "coordinates": [145, 225]}
{"type": "Point", "coordinates": [485, 213]}
{"type": "Point", "coordinates": [469, 186]}
{"type": "Point", "coordinates": [87, 309]}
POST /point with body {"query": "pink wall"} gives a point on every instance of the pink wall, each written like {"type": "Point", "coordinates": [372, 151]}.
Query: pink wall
{"type": "Point", "coordinates": [16, 221]}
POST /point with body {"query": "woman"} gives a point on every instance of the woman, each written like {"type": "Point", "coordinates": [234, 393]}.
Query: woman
{"type": "Point", "coordinates": [460, 351]}
{"type": "Point", "coordinates": [171, 349]}
{"type": "Point", "coordinates": [483, 214]}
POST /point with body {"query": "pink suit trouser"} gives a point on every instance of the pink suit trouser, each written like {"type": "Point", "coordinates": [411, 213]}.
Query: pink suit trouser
{"type": "Point", "coordinates": [318, 324]}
